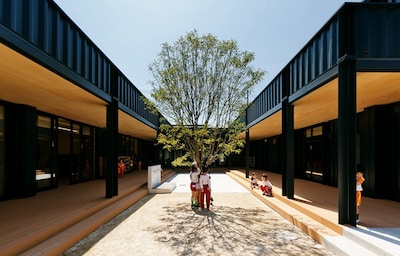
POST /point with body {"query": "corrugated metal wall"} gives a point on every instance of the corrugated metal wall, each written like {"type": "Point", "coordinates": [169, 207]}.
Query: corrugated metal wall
{"type": "Point", "coordinates": [49, 29]}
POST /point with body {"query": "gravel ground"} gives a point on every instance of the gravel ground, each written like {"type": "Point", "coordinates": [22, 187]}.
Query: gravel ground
{"type": "Point", "coordinates": [164, 224]}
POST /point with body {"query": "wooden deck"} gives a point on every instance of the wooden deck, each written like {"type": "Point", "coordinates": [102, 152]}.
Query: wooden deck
{"type": "Point", "coordinates": [323, 200]}
{"type": "Point", "coordinates": [28, 223]}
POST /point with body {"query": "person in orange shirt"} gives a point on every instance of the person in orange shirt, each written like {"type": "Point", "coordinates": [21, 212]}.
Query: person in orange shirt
{"type": "Point", "coordinates": [121, 168]}
{"type": "Point", "coordinates": [359, 181]}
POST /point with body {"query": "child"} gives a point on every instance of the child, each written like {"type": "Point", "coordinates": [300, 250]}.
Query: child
{"type": "Point", "coordinates": [121, 168]}
{"type": "Point", "coordinates": [253, 181]}
{"type": "Point", "coordinates": [359, 181]}
{"type": "Point", "coordinates": [266, 186]}
{"type": "Point", "coordinates": [198, 184]}
{"type": "Point", "coordinates": [195, 186]}
{"type": "Point", "coordinates": [205, 186]}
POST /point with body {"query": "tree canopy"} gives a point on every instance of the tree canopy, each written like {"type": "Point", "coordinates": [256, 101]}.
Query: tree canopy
{"type": "Point", "coordinates": [201, 85]}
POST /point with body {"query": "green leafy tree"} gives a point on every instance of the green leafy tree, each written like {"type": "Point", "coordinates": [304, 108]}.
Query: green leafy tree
{"type": "Point", "coordinates": [201, 86]}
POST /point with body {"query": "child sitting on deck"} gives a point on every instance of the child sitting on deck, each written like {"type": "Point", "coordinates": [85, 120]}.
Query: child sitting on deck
{"type": "Point", "coordinates": [253, 181]}
{"type": "Point", "coordinates": [266, 186]}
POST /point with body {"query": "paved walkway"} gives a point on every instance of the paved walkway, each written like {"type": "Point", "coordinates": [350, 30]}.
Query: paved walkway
{"type": "Point", "coordinates": [164, 224]}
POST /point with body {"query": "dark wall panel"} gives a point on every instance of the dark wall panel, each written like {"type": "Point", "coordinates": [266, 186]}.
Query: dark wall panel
{"type": "Point", "coordinates": [379, 128]}
{"type": "Point", "coordinates": [375, 28]}
{"type": "Point", "coordinates": [20, 143]}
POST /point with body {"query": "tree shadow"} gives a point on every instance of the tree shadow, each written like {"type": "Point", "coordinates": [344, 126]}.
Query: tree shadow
{"type": "Point", "coordinates": [231, 231]}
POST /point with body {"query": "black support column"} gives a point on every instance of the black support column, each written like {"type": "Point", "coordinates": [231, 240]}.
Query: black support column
{"type": "Point", "coordinates": [247, 152]}
{"type": "Point", "coordinates": [347, 142]}
{"type": "Point", "coordinates": [111, 151]}
{"type": "Point", "coordinates": [347, 119]}
{"type": "Point", "coordinates": [287, 149]}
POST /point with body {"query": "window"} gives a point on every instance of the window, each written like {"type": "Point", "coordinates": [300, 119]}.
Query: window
{"type": "Point", "coordinates": [315, 131]}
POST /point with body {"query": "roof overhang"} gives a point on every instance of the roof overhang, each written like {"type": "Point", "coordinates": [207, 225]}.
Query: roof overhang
{"type": "Point", "coordinates": [23, 81]}
{"type": "Point", "coordinates": [321, 105]}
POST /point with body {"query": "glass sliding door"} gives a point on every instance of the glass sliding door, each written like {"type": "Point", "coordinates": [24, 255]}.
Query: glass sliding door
{"type": "Point", "coordinates": [45, 174]}
{"type": "Point", "coordinates": [314, 154]}
{"type": "Point", "coordinates": [76, 165]}
{"type": "Point", "coordinates": [64, 150]}
{"type": "Point", "coordinates": [87, 153]}
{"type": "Point", "coordinates": [75, 151]}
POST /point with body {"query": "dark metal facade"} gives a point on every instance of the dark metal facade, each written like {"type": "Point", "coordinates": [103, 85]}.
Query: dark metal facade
{"type": "Point", "coordinates": [40, 30]}
{"type": "Point", "coordinates": [376, 49]}
{"type": "Point", "coordinates": [360, 37]}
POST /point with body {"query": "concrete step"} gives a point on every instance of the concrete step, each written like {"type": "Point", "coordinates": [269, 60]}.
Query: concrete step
{"type": "Point", "coordinates": [342, 246]}
{"type": "Point", "coordinates": [378, 241]}
{"type": "Point", "coordinates": [163, 188]}
{"type": "Point", "coordinates": [362, 241]}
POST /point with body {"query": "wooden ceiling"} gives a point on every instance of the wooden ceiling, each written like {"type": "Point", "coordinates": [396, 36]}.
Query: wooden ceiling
{"type": "Point", "coordinates": [26, 82]}
{"type": "Point", "coordinates": [373, 88]}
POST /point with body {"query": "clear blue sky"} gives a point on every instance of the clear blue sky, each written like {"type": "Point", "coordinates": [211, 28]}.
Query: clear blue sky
{"type": "Point", "coordinates": [130, 32]}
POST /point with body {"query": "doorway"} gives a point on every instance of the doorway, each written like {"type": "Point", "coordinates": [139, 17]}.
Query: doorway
{"type": "Point", "coordinates": [314, 154]}
{"type": "Point", "coordinates": [75, 152]}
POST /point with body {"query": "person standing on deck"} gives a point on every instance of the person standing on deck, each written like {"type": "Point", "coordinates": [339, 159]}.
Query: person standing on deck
{"type": "Point", "coordinates": [359, 181]}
